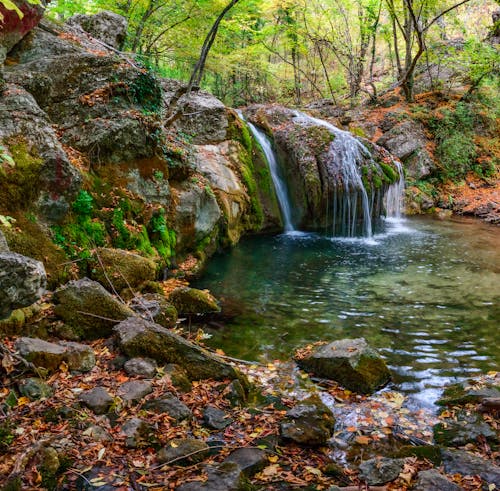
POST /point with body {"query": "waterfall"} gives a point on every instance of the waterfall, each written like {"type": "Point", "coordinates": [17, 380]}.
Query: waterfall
{"type": "Point", "coordinates": [395, 195]}
{"type": "Point", "coordinates": [345, 152]}
{"type": "Point", "coordinates": [278, 181]}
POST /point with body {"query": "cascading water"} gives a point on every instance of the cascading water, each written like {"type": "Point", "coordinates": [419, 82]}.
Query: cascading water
{"type": "Point", "coordinates": [279, 183]}
{"type": "Point", "coordinates": [394, 195]}
{"type": "Point", "coordinates": [345, 152]}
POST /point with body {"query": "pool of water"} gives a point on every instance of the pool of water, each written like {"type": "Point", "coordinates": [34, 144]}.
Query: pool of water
{"type": "Point", "coordinates": [424, 292]}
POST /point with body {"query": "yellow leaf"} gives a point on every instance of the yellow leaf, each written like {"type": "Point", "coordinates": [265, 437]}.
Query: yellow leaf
{"type": "Point", "coordinates": [273, 459]}
{"type": "Point", "coordinates": [173, 445]}
{"type": "Point", "coordinates": [313, 470]}
{"type": "Point", "coordinates": [9, 5]}
{"type": "Point", "coordinates": [22, 401]}
{"type": "Point", "coordinates": [101, 453]}
{"type": "Point", "coordinates": [271, 470]}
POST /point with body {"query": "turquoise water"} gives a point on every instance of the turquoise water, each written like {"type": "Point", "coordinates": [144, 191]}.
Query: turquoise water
{"type": "Point", "coordinates": [426, 293]}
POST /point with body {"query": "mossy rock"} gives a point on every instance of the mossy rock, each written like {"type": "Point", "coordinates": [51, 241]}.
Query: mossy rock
{"type": "Point", "coordinates": [350, 362]}
{"type": "Point", "coordinates": [192, 301]}
{"type": "Point", "coordinates": [155, 307]}
{"type": "Point", "coordinates": [117, 269]}
{"type": "Point", "coordinates": [461, 394]}
{"type": "Point", "coordinates": [428, 452]}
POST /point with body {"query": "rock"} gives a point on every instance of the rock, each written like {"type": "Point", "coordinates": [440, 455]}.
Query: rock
{"type": "Point", "coordinates": [171, 405]}
{"type": "Point", "coordinates": [183, 451]}
{"type": "Point", "coordinates": [235, 394]}
{"type": "Point", "coordinates": [134, 391]}
{"type": "Point", "coordinates": [215, 418]}
{"type": "Point", "coordinates": [123, 269]}
{"type": "Point", "coordinates": [22, 282]}
{"type": "Point", "coordinates": [43, 174]}
{"type": "Point", "coordinates": [206, 118]}
{"type": "Point", "coordinates": [141, 367]}
{"type": "Point", "coordinates": [97, 399]}
{"type": "Point", "coordinates": [432, 480]}
{"type": "Point", "coordinates": [76, 298]}
{"type": "Point", "coordinates": [466, 464]}
{"type": "Point", "coordinates": [350, 362]}
{"type": "Point", "coordinates": [137, 337]}
{"type": "Point", "coordinates": [139, 434]}
{"type": "Point", "coordinates": [192, 301]}
{"type": "Point", "coordinates": [108, 27]}
{"type": "Point", "coordinates": [47, 355]}
{"type": "Point", "coordinates": [463, 393]}
{"type": "Point", "coordinates": [155, 307]}
{"type": "Point", "coordinates": [4, 247]}
{"type": "Point", "coordinates": [227, 476]}
{"type": "Point", "coordinates": [379, 471]}
{"type": "Point", "coordinates": [98, 434]}
{"type": "Point", "coordinates": [14, 28]}
{"type": "Point", "coordinates": [34, 388]}
{"type": "Point", "coordinates": [309, 423]}
{"type": "Point", "coordinates": [105, 478]}
{"type": "Point", "coordinates": [249, 459]}
{"type": "Point", "coordinates": [467, 428]}
{"type": "Point", "coordinates": [178, 377]}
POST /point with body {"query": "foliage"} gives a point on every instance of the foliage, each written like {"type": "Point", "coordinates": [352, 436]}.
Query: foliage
{"type": "Point", "coordinates": [163, 239]}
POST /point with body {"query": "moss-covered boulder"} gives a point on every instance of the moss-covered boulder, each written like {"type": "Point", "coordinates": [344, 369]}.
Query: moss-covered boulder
{"type": "Point", "coordinates": [155, 307]}
{"type": "Point", "coordinates": [350, 362]}
{"type": "Point", "coordinates": [193, 301]}
{"type": "Point", "coordinates": [309, 423]}
{"type": "Point", "coordinates": [42, 354]}
{"type": "Point", "coordinates": [89, 309]}
{"type": "Point", "coordinates": [117, 269]}
{"type": "Point", "coordinates": [138, 337]}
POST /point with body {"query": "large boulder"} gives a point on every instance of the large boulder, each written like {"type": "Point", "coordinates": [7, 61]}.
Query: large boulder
{"type": "Point", "coordinates": [117, 269]}
{"type": "Point", "coordinates": [43, 354]}
{"type": "Point", "coordinates": [89, 309]}
{"type": "Point", "coordinates": [108, 27]}
{"type": "Point", "coordinates": [309, 423]}
{"type": "Point", "coordinates": [22, 282]}
{"type": "Point", "coordinates": [41, 175]}
{"type": "Point", "coordinates": [193, 301]}
{"type": "Point", "coordinates": [350, 362]}
{"type": "Point", "coordinates": [15, 28]}
{"type": "Point", "coordinates": [138, 337]}
{"type": "Point", "coordinates": [467, 464]}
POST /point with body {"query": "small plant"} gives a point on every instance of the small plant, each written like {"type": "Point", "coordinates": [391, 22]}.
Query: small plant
{"type": "Point", "coordinates": [84, 204]}
{"type": "Point", "coordinates": [158, 175]}
{"type": "Point", "coordinates": [209, 191]}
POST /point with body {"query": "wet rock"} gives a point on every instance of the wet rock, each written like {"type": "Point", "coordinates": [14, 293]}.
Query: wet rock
{"type": "Point", "coordinates": [350, 362]}
{"type": "Point", "coordinates": [134, 391]}
{"type": "Point", "coordinates": [116, 269]}
{"type": "Point", "coordinates": [97, 399]}
{"type": "Point", "coordinates": [467, 428]}
{"type": "Point", "coordinates": [47, 355]}
{"type": "Point", "coordinates": [77, 298]}
{"type": "Point", "coordinates": [137, 337]}
{"type": "Point", "coordinates": [463, 393]}
{"type": "Point", "coordinates": [379, 471]}
{"type": "Point", "coordinates": [171, 405]}
{"type": "Point", "coordinates": [309, 423]}
{"type": "Point", "coordinates": [34, 388]}
{"type": "Point", "coordinates": [22, 282]}
{"type": "Point", "coordinates": [141, 367]}
{"type": "Point", "coordinates": [227, 476]}
{"type": "Point", "coordinates": [178, 377]}
{"type": "Point", "coordinates": [183, 451]}
{"type": "Point", "coordinates": [139, 434]}
{"type": "Point", "coordinates": [432, 480]}
{"type": "Point", "coordinates": [466, 464]}
{"type": "Point", "coordinates": [192, 301]}
{"type": "Point", "coordinates": [215, 418]}
{"type": "Point", "coordinates": [250, 460]}
{"type": "Point", "coordinates": [108, 27]}
{"type": "Point", "coordinates": [156, 308]}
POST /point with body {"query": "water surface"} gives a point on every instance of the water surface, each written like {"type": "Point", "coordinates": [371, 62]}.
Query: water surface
{"type": "Point", "coordinates": [425, 293]}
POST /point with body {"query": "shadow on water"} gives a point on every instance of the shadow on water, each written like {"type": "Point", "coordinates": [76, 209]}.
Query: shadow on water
{"type": "Point", "coordinates": [424, 292]}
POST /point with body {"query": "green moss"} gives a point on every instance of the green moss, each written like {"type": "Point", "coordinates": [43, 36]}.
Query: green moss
{"type": "Point", "coordinates": [247, 175]}
{"type": "Point", "coordinates": [162, 238]}
{"type": "Point", "coordinates": [20, 183]}
{"type": "Point", "coordinates": [390, 174]}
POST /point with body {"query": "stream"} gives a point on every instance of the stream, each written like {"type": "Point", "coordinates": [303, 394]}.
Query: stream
{"type": "Point", "coordinates": [424, 292]}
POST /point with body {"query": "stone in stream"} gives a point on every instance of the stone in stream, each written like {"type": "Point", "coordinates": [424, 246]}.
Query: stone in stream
{"type": "Point", "coordinates": [89, 309]}
{"type": "Point", "coordinates": [308, 423]}
{"type": "Point", "coordinates": [192, 301]}
{"type": "Point", "coordinates": [171, 405]}
{"type": "Point", "coordinates": [227, 476]}
{"type": "Point", "coordinates": [138, 337]}
{"type": "Point", "coordinates": [379, 471]}
{"type": "Point", "coordinates": [22, 282]}
{"type": "Point", "coordinates": [463, 393]}
{"type": "Point", "coordinates": [43, 354]}
{"type": "Point", "coordinates": [432, 480]}
{"type": "Point", "coordinates": [467, 464]}
{"type": "Point", "coordinates": [467, 428]}
{"type": "Point", "coordinates": [350, 362]}
{"type": "Point", "coordinates": [97, 399]}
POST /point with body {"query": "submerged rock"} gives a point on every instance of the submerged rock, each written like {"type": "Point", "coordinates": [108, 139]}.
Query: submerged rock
{"type": "Point", "coordinates": [137, 337]}
{"type": "Point", "coordinates": [308, 423]}
{"type": "Point", "coordinates": [193, 301]}
{"type": "Point", "coordinates": [89, 309]}
{"type": "Point", "coordinates": [22, 282]}
{"type": "Point", "coordinates": [350, 362]}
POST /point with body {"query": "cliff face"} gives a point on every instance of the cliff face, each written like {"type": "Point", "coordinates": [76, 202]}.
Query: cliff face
{"type": "Point", "coordinates": [87, 155]}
